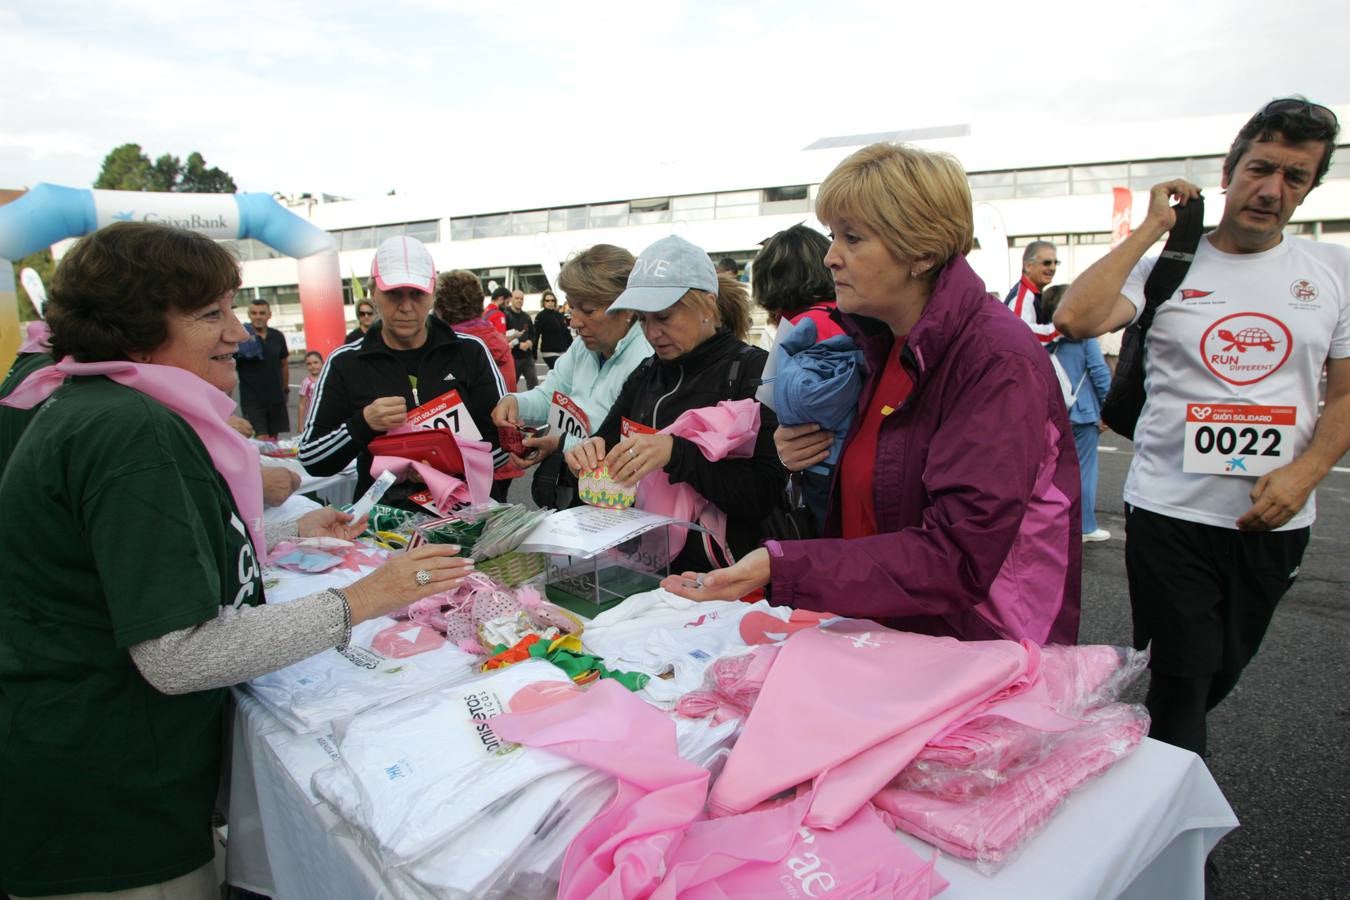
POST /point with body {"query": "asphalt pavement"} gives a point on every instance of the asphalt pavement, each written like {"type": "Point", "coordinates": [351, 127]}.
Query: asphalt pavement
{"type": "Point", "coordinates": [1278, 743]}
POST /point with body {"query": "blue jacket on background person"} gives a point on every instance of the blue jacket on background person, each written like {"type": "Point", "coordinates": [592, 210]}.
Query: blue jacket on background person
{"type": "Point", "coordinates": [817, 382]}
{"type": "Point", "coordinates": [1077, 358]}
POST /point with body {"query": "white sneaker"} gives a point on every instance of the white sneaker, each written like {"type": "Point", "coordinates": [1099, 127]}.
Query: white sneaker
{"type": "Point", "coordinates": [1092, 537]}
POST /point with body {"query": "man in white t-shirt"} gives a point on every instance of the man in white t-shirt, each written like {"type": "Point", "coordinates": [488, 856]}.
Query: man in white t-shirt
{"type": "Point", "coordinates": [1230, 443]}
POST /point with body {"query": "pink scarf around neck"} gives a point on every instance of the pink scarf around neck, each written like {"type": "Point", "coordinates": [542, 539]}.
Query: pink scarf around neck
{"type": "Point", "coordinates": [39, 338]}
{"type": "Point", "coordinates": [204, 407]}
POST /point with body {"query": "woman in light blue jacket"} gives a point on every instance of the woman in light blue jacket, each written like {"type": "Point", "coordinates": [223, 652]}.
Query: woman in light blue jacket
{"type": "Point", "coordinates": [1090, 378]}
{"type": "Point", "coordinates": [587, 377]}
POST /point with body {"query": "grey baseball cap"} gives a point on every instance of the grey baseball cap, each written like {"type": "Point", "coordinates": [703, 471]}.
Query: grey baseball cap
{"type": "Point", "coordinates": [664, 273]}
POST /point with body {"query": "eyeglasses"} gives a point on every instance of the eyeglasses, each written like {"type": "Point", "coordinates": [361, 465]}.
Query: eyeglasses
{"type": "Point", "coordinates": [1049, 263]}
{"type": "Point", "coordinates": [1293, 106]}
{"type": "Point", "coordinates": [366, 313]}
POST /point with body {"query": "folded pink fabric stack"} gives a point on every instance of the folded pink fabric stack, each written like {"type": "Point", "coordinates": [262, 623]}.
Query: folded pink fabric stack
{"type": "Point", "coordinates": [989, 827]}
{"type": "Point", "coordinates": [847, 706]}
{"type": "Point", "coordinates": [976, 756]}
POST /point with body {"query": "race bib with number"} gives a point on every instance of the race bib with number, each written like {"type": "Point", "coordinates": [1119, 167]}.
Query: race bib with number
{"type": "Point", "coordinates": [567, 418]}
{"type": "Point", "coordinates": [446, 411]}
{"type": "Point", "coordinates": [1229, 439]}
{"type": "Point", "coordinates": [628, 428]}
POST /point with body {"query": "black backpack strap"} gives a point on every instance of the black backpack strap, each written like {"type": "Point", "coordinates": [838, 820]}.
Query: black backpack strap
{"type": "Point", "coordinates": [1175, 261]}
{"type": "Point", "coordinates": [734, 385]}
{"type": "Point", "coordinates": [1125, 399]}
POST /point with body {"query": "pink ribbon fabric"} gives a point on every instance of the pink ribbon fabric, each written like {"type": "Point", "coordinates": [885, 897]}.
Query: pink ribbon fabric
{"type": "Point", "coordinates": [203, 406]}
{"type": "Point", "coordinates": [727, 430]}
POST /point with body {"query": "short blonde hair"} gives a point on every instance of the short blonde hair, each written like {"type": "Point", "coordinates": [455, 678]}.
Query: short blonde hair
{"type": "Point", "coordinates": [596, 275]}
{"type": "Point", "coordinates": [916, 200]}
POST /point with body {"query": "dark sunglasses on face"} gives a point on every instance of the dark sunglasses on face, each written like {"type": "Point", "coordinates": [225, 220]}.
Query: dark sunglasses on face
{"type": "Point", "coordinates": [1290, 106]}
{"type": "Point", "coordinates": [366, 313]}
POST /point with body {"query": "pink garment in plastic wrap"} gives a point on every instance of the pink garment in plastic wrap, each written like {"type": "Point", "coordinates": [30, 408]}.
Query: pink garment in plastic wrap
{"type": "Point", "coordinates": [652, 841]}
{"type": "Point", "coordinates": [457, 614]}
{"type": "Point", "coordinates": [205, 408]}
{"type": "Point", "coordinates": [976, 755]}
{"type": "Point", "coordinates": [728, 429]}
{"type": "Point", "coordinates": [990, 827]}
{"type": "Point", "coordinates": [851, 704]}
{"type": "Point", "coordinates": [306, 555]}
{"type": "Point", "coordinates": [730, 686]}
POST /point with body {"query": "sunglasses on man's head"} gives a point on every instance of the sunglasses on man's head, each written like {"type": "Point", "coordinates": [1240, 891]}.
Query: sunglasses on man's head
{"type": "Point", "coordinates": [1290, 106]}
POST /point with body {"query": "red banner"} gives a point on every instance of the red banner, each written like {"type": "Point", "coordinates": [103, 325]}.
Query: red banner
{"type": "Point", "coordinates": [1120, 214]}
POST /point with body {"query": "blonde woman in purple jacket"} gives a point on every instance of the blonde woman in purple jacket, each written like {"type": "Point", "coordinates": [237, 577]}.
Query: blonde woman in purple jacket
{"type": "Point", "coordinates": [955, 507]}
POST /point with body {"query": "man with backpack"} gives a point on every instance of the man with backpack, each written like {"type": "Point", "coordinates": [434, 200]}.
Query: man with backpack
{"type": "Point", "coordinates": [1230, 442]}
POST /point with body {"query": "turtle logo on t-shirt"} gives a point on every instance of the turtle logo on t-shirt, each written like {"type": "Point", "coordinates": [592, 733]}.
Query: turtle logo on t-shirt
{"type": "Point", "coordinates": [1245, 347]}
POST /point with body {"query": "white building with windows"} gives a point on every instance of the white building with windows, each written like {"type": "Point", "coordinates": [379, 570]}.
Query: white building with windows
{"type": "Point", "coordinates": [516, 229]}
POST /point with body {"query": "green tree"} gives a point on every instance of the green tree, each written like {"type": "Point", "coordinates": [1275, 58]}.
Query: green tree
{"type": "Point", "coordinates": [127, 168]}
{"type": "Point", "coordinates": [197, 178]}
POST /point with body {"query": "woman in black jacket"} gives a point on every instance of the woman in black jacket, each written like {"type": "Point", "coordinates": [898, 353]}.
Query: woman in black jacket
{"type": "Point", "coordinates": [554, 334]}
{"type": "Point", "coordinates": [696, 324]}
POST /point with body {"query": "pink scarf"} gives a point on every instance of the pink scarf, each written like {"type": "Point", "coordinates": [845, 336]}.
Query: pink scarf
{"type": "Point", "coordinates": [728, 429]}
{"type": "Point", "coordinates": [39, 338]}
{"type": "Point", "coordinates": [204, 407]}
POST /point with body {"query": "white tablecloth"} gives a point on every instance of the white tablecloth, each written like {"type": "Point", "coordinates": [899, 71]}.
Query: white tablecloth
{"type": "Point", "coordinates": [1142, 830]}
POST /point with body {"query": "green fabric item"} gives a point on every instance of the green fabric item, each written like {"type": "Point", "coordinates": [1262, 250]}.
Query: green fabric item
{"type": "Point", "coordinates": [577, 664]}
{"type": "Point", "coordinates": [117, 529]}
{"type": "Point", "coordinates": [14, 421]}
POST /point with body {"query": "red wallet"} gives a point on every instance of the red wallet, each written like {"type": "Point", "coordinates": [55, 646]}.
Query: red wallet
{"type": "Point", "coordinates": [433, 446]}
{"type": "Point", "coordinates": [511, 440]}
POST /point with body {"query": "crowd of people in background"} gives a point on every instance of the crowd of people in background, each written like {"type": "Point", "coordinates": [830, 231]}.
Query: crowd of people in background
{"type": "Point", "coordinates": [911, 450]}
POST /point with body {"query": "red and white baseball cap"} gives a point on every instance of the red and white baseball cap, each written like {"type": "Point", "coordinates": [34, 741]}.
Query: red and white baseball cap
{"type": "Point", "coordinates": [403, 261]}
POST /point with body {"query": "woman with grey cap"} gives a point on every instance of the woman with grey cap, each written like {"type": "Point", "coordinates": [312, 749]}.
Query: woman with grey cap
{"type": "Point", "coordinates": [696, 324]}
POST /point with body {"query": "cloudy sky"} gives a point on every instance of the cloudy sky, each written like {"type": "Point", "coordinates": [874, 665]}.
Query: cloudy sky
{"type": "Point", "coordinates": [360, 98]}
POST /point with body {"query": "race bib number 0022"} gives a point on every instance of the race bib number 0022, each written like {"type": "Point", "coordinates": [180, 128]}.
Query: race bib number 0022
{"type": "Point", "coordinates": [1228, 439]}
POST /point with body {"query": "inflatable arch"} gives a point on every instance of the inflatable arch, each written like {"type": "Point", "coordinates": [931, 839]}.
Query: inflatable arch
{"type": "Point", "coordinates": [49, 213]}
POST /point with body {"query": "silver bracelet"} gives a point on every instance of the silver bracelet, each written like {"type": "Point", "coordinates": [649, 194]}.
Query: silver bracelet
{"type": "Point", "coordinates": [346, 618]}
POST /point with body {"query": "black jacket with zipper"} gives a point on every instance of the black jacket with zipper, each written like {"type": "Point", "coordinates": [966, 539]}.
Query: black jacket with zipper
{"type": "Point", "coordinates": [658, 391]}
{"type": "Point", "coordinates": [356, 374]}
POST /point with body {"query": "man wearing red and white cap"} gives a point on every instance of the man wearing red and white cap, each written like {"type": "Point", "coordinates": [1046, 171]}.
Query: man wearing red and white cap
{"type": "Point", "coordinates": [405, 360]}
